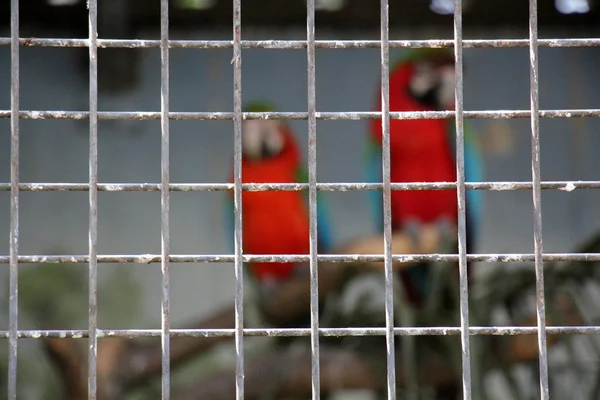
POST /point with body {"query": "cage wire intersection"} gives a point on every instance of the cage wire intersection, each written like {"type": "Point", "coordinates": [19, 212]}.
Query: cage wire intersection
{"type": "Point", "coordinates": [312, 115]}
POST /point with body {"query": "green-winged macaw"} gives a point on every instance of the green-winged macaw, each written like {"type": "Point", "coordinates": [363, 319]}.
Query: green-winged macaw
{"type": "Point", "coordinates": [423, 150]}
{"type": "Point", "coordinates": [275, 222]}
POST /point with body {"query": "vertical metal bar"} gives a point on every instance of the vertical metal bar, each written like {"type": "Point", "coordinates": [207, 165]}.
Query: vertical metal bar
{"type": "Point", "coordinates": [387, 201]}
{"type": "Point", "coordinates": [14, 200]}
{"type": "Point", "coordinates": [460, 182]}
{"type": "Point", "coordinates": [537, 200]}
{"type": "Point", "coordinates": [237, 198]}
{"type": "Point", "coordinates": [93, 223]}
{"type": "Point", "coordinates": [165, 197]}
{"type": "Point", "coordinates": [312, 198]}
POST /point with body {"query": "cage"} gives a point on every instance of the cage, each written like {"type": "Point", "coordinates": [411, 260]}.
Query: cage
{"type": "Point", "coordinates": [106, 98]}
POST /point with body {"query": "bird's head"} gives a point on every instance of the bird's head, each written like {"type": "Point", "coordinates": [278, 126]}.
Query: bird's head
{"type": "Point", "coordinates": [433, 80]}
{"type": "Point", "coordinates": [261, 139]}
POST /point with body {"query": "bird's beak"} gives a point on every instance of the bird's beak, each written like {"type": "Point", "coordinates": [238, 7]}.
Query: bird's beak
{"type": "Point", "coordinates": [446, 89]}
{"type": "Point", "coordinates": [261, 139]}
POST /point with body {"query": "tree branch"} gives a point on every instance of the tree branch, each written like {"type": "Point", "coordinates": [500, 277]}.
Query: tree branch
{"type": "Point", "coordinates": [68, 359]}
{"type": "Point", "coordinates": [142, 360]}
{"type": "Point", "coordinates": [125, 363]}
{"type": "Point", "coordinates": [341, 368]}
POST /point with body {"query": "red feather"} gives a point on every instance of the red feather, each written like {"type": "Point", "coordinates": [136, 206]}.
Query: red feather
{"type": "Point", "coordinates": [420, 152]}
{"type": "Point", "coordinates": [274, 222]}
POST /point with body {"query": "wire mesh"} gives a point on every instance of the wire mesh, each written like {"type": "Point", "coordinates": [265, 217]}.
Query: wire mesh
{"type": "Point", "coordinates": [312, 198]}
{"type": "Point", "coordinates": [237, 165]}
{"type": "Point", "coordinates": [238, 258]}
{"type": "Point", "coordinates": [93, 198]}
{"type": "Point", "coordinates": [387, 200]}
{"type": "Point", "coordinates": [14, 200]}
{"type": "Point", "coordinates": [460, 184]}
{"type": "Point", "coordinates": [165, 199]}
{"type": "Point", "coordinates": [537, 201]}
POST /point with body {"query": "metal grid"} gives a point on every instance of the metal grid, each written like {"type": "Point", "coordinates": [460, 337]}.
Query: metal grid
{"type": "Point", "coordinates": [93, 189]}
{"type": "Point", "coordinates": [165, 258]}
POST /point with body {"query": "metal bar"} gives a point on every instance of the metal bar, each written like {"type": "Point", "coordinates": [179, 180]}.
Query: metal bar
{"type": "Point", "coordinates": [93, 199]}
{"type": "Point", "coordinates": [326, 116]}
{"type": "Point", "coordinates": [567, 186]}
{"type": "Point", "coordinates": [14, 201]}
{"type": "Point", "coordinates": [303, 332]}
{"type": "Point", "coordinates": [302, 44]}
{"type": "Point", "coordinates": [165, 200]}
{"type": "Point", "coordinates": [537, 201]}
{"type": "Point", "coordinates": [330, 258]}
{"type": "Point", "coordinates": [312, 198]}
{"type": "Point", "coordinates": [237, 199]}
{"type": "Point", "coordinates": [387, 201]}
{"type": "Point", "coordinates": [460, 183]}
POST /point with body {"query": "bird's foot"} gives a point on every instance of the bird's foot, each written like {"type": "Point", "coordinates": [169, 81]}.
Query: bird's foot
{"type": "Point", "coordinates": [413, 229]}
{"type": "Point", "coordinates": [267, 286]}
{"type": "Point", "coordinates": [421, 234]}
{"type": "Point", "coordinates": [301, 269]}
{"type": "Point", "coordinates": [447, 231]}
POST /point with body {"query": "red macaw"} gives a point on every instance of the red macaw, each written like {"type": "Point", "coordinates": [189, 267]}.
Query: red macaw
{"type": "Point", "coordinates": [275, 222]}
{"type": "Point", "coordinates": [423, 150]}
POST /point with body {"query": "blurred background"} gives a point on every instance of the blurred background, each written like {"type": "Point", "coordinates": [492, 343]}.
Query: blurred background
{"type": "Point", "coordinates": [201, 151]}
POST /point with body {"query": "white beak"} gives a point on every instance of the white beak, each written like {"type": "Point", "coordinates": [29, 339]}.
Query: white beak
{"type": "Point", "coordinates": [260, 136]}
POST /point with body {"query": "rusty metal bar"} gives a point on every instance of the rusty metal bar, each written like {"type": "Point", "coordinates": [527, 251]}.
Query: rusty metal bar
{"type": "Point", "coordinates": [165, 206]}
{"type": "Point", "coordinates": [333, 258]}
{"type": "Point", "coordinates": [14, 202]}
{"type": "Point", "coordinates": [237, 199]}
{"type": "Point", "coordinates": [567, 186]}
{"type": "Point", "coordinates": [326, 116]}
{"type": "Point", "coordinates": [304, 332]}
{"type": "Point", "coordinates": [93, 199]}
{"type": "Point", "coordinates": [537, 201]}
{"type": "Point", "coordinates": [460, 184]}
{"type": "Point", "coordinates": [302, 44]}
{"type": "Point", "coordinates": [387, 201]}
{"type": "Point", "coordinates": [312, 199]}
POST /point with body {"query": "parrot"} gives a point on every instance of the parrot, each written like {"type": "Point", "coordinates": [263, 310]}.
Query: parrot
{"type": "Point", "coordinates": [423, 150]}
{"type": "Point", "coordinates": [275, 222]}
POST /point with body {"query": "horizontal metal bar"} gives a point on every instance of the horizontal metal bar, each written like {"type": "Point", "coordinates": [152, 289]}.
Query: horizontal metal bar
{"type": "Point", "coordinates": [361, 331]}
{"type": "Point", "coordinates": [300, 44]}
{"type": "Point", "coordinates": [325, 116]}
{"type": "Point", "coordinates": [567, 186]}
{"type": "Point", "coordinates": [333, 258]}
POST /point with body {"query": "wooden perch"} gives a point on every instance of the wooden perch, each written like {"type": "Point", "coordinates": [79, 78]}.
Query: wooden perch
{"type": "Point", "coordinates": [125, 363]}
{"type": "Point", "coordinates": [291, 299]}
{"type": "Point", "coordinates": [429, 242]}
{"type": "Point", "coordinates": [340, 369]}
{"type": "Point", "coordinates": [345, 369]}
{"type": "Point", "coordinates": [142, 360]}
{"type": "Point", "coordinates": [286, 373]}
{"type": "Point", "coordinates": [71, 364]}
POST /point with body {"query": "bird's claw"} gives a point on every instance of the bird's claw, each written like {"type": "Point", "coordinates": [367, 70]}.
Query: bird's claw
{"type": "Point", "coordinates": [413, 228]}
{"type": "Point", "coordinates": [446, 229]}
{"type": "Point", "coordinates": [300, 269]}
{"type": "Point", "coordinates": [267, 287]}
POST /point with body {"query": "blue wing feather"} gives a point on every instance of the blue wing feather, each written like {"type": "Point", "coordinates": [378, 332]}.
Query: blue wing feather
{"type": "Point", "coordinates": [324, 230]}
{"type": "Point", "coordinates": [374, 175]}
{"type": "Point", "coordinates": [474, 172]}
